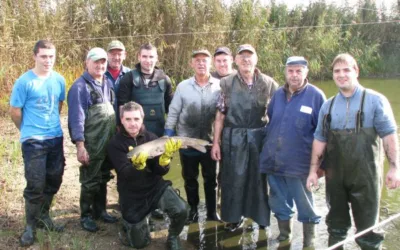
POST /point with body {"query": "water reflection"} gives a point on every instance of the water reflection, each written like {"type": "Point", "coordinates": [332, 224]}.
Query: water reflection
{"type": "Point", "coordinates": [210, 235]}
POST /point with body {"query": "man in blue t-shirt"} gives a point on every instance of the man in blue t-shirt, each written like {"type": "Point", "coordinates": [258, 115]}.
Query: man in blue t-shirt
{"type": "Point", "coordinates": [36, 103]}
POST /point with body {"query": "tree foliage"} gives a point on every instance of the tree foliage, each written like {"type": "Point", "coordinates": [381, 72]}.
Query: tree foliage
{"type": "Point", "coordinates": [318, 31]}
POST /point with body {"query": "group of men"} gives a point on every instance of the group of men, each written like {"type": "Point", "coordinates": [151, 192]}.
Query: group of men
{"type": "Point", "coordinates": [261, 135]}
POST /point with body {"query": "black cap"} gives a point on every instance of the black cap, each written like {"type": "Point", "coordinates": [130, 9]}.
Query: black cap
{"type": "Point", "coordinates": [223, 50]}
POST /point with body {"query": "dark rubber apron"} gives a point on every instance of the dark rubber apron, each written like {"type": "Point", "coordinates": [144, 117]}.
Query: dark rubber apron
{"type": "Point", "coordinates": [243, 188]}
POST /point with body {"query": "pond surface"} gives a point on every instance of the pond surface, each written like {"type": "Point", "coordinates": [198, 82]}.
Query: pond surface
{"type": "Point", "coordinates": [211, 235]}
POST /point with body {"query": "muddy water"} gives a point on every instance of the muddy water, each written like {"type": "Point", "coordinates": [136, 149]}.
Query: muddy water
{"type": "Point", "coordinates": [211, 235]}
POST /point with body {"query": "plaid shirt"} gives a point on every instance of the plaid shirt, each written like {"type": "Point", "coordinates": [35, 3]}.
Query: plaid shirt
{"type": "Point", "coordinates": [221, 104]}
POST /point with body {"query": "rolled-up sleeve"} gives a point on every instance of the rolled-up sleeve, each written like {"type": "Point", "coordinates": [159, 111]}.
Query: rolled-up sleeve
{"type": "Point", "coordinates": [319, 131]}
{"type": "Point", "coordinates": [384, 121]}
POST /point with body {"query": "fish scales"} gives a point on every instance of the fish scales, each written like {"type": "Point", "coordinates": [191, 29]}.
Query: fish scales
{"type": "Point", "coordinates": [157, 147]}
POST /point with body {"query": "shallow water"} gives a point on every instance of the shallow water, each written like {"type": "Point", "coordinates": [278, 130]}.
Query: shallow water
{"type": "Point", "coordinates": [211, 235]}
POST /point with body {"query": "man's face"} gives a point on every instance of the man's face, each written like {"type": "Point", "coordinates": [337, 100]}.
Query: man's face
{"type": "Point", "coordinates": [223, 64]}
{"type": "Point", "coordinates": [116, 58]}
{"type": "Point", "coordinates": [201, 64]}
{"type": "Point", "coordinates": [147, 60]}
{"type": "Point", "coordinates": [45, 59]}
{"type": "Point", "coordinates": [295, 76]}
{"type": "Point", "coordinates": [345, 76]}
{"type": "Point", "coordinates": [132, 122]}
{"type": "Point", "coordinates": [246, 61]}
{"type": "Point", "coordinates": [96, 68]}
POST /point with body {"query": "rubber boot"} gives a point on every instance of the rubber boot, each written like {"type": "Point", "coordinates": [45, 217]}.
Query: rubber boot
{"type": "Point", "coordinates": [175, 228]}
{"type": "Point", "coordinates": [308, 235]}
{"type": "Point", "coordinates": [135, 235]}
{"type": "Point", "coordinates": [32, 212]}
{"type": "Point", "coordinates": [99, 206]}
{"type": "Point", "coordinates": [332, 240]}
{"type": "Point", "coordinates": [193, 215]}
{"type": "Point", "coordinates": [285, 230]}
{"type": "Point", "coordinates": [211, 204]}
{"type": "Point", "coordinates": [87, 223]}
{"type": "Point", "coordinates": [45, 221]}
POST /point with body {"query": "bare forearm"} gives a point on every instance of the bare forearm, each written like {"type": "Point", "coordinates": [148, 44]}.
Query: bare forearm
{"type": "Point", "coordinates": [218, 126]}
{"type": "Point", "coordinates": [16, 116]}
{"type": "Point", "coordinates": [391, 147]}
{"type": "Point", "coordinates": [317, 155]}
{"type": "Point", "coordinates": [60, 105]}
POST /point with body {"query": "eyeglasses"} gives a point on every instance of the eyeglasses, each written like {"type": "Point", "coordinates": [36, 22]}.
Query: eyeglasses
{"type": "Point", "coordinates": [244, 57]}
{"type": "Point", "coordinates": [199, 61]}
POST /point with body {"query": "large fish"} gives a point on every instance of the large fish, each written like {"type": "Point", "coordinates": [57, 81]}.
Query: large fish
{"type": "Point", "coordinates": [157, 147]}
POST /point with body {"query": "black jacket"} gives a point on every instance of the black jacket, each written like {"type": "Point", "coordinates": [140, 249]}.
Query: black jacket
{"type": "Point", "coordinates": [139, 190]}
{"type": "Point", "coordinates": [126, 85]}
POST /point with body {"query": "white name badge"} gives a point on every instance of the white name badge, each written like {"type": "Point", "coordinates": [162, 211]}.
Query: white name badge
{"type": "Point", "coordinates": [305, 109]}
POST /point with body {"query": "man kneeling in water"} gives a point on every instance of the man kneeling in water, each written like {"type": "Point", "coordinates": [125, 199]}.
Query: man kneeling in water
{"type": "Point", "coordinates": [140, 184]}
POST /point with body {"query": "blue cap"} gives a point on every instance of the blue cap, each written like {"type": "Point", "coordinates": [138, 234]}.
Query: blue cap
{"type": "Point", "coordinates": [296, 60]}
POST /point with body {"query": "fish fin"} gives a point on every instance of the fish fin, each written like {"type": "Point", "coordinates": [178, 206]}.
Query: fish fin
{"type": "Point", "coordinates": [199, 148]}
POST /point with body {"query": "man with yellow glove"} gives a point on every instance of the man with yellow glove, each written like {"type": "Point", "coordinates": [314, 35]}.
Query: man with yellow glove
{"type": "Point", "coordinates": [140, 184]}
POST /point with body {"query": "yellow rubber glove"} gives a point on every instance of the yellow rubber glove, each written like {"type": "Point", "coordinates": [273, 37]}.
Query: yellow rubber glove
{"type": "Point", "coordinates": [139, 161]}
{"type": "Point", "coordinates": [171, 146]}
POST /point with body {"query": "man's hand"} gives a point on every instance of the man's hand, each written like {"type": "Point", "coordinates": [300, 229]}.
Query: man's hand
{"type": "Point", "coordinates": [312, 181]}
{"type": "Point", "coordinates": [171, 146]}
{"type": "Point", "coordinates": [393, 178]}
{"type": "Point", "coordinates": [216, 152]}
{"type": "Point", "coordinates": [82, 154]}
{"type": "Point", "coordinates": [139, 160]}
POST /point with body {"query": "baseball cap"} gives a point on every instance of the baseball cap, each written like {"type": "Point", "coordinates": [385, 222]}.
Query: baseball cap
{"type": "Point", "coordinates": [201, 51]}
{"type": "Point", "coordinates": [245, 47]}
{"type": "Point", "coordinates": [223, 50]}
{"type": "Point", "coordinates": [96, 54]}
{"type": "Point", "coordinates": [115, 44]}
{"type": "Point", "coordinates": [296, 60]}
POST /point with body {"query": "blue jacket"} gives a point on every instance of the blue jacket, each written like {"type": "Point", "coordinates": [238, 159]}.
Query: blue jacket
{"type": "Point", "coordinates": [287, 147]}
{"type": "Point", "coordinates": [115, 82]}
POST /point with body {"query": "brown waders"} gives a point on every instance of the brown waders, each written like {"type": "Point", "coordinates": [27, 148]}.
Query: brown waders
{"type": "Point", "coordinates": [353, 176]}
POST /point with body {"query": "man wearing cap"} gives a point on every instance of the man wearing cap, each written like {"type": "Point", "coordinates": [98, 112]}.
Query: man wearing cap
{"type": "Point", "coordinates": [285, 157]}
{"type": "Point", "coordinates": [35, 105]}
{"type": "Point", "coordinates": [116, 54]}
{"type": "Point", "coordinates": [353, 128]}
{"type": "Point", "coordinates": [150, 87]}
{"type": "Point", "coordinates": [238, 134]}
{"type": "Point", "coordinates": [222, 62]}
{"type": "Point", "coordinates": [91, 124]}
{"type": "Point", "coordinates": [191, 114]}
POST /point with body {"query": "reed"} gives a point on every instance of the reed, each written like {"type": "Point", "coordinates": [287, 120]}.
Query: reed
{"type": "Point", "coordinates": [178, 27]}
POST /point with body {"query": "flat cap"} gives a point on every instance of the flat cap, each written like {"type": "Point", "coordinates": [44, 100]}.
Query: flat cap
{"type": "Point", "coordinates": [296, 60]}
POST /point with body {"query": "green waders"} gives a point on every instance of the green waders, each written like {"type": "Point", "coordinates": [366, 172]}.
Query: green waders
{"type": "Point", "coordinates": [99, 128]}
{"type": "Point", "coordinates": [353, 175]}
{"type": "Point", "coordinates": [137, 235]}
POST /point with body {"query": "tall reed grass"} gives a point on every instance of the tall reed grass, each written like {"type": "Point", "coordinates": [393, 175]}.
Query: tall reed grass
{"type": "Point", "coordinates": [319, 31]}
